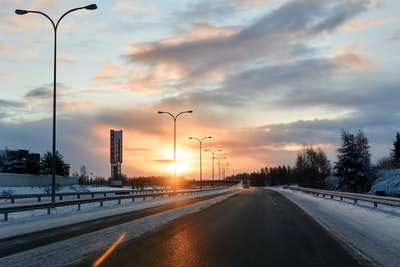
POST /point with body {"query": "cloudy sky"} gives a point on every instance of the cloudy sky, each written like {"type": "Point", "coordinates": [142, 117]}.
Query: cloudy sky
{"type": "Point", "coordinates": [263, 77]}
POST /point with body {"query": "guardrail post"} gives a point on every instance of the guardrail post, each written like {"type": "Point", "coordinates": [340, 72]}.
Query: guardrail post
{"type": "Point", "coordinates": [375, 204]}
{"type": "Point", "coordinates": [119, 201]}
{"type": "Point", "coordinates": [12, 199]}
{"type": "Point", "coordinates": [60, 196]}
{"type": "Point", "coordinates": [92, 195]}
{"type": "Point", "coordinates": [48, 211]}
{"type": "Point", "coordinates": [144, 198]}
{"type": "Point", "coordinates": [6, 216]}
{"type": "Point", "coordinates": [79, 196]}
{"type": "Point", "coordinates": [101, 203]}
{"type": "Point", "coordinates": [39, 198]}
{"type": "Point", "coordinates": [79, 206]}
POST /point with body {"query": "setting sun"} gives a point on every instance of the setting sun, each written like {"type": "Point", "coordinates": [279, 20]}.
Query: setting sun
{"type": "Point", "coordinates": [183, 162]}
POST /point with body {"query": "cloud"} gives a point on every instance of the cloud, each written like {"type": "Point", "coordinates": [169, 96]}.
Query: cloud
{"type": "Point", "coordinates": [5, 49]}
{"type": "Point", "coordinates": [125, 5]}
{"type": "Point", "coordinates": [107, 72]}
{"type": "Point", "coordinates": [40, 93]}
{"type": "Point", "coordinates": [348, 59]}
{"type": "Point", "coordinates": [220, 54]}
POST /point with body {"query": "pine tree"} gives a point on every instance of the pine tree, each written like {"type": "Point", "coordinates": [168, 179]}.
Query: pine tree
{"type": "Point", "coordinates": [353, 161]}
{"type": "Point", "coordinates": [47, 163]}
{"type": "Point", "coordinates": [395, 153]}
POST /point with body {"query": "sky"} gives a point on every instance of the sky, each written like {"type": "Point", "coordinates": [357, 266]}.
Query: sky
{"type": "Point", "coordinates": [263, 78]}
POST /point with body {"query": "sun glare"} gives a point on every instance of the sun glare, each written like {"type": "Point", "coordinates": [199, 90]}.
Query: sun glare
{"type": "Point", "coordinates": [183, 163]}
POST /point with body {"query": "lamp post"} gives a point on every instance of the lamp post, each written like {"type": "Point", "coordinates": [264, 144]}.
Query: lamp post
{"type": "Point", "coordinates": [174, 117]}
{"type": "Point", "coordinates": [219, 167]}
{"type": "Point", "coordinates": [213, 152]}
{"type": "Point", "coordinates": [55, 26]}
{"type": "Point", "coordinates": [200, 141]}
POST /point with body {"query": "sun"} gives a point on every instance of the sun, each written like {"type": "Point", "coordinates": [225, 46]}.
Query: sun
{"type": "Point", "coordinates": [183, 163]}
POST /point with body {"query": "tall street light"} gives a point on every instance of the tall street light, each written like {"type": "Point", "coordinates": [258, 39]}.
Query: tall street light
{"type": "Point", "coordinates": [55, 26]}
{"type": "Point", "coordinates": [175, 117]}
{"type": "Point", "coordinates": [213, 152]}
{"type": "Point", "coordinates": [200, 141]}
{"type": "Point", "coordinates": [219, 167]}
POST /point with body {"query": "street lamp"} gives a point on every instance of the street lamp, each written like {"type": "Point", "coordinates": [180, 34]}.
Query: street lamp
{"type": "Point", "coordinates": [175, 117]}
{"type": "Point", "coordinates": [55, 26]}
{"type": "Point", "coordinates": [200, 141]}
{"type": "Point", "coordinates": [219, 167]}
{"type": "Point", "coordinates": [213, 152]}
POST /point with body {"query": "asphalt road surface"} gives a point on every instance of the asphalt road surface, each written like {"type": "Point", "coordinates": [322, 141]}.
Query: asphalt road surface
{"type": "Point", "coordinates": [255, 228]}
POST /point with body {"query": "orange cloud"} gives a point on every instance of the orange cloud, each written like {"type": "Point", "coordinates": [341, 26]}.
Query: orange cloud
{"type": "Point", "coordinates": [357, 24]}
{"type": "Point", "coordinates": [5, 49]}
{"type": "Point", "coordinates": [350, 60]}
{"type": "Point", "coordinates": [200, 31]}
{"type": "Point", "coordinates": [107, 72]}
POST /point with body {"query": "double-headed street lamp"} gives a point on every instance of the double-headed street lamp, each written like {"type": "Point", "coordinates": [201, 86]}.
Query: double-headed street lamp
{"type": "Point", "coordinates": [200, 141]}
{"type": "Point", "coordinates": [55, 26]}
{"type": "Point", "coordinates": [175, 117]}
{"type": "Point", "coordinates": [213, 152]}
{"type": "Point", "coordinates": [219, 167]}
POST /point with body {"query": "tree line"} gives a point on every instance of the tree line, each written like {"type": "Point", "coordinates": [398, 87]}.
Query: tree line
{"type": "Point", "coordinates": [351, 172]}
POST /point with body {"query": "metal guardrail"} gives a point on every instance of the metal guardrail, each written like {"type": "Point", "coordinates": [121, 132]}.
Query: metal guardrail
{"type": "Point", "coordinates": [390, 201]}
{"type": "Point", "coordinates": [49, 205]}
{"type": "Point", "coordinates": [78, 195]}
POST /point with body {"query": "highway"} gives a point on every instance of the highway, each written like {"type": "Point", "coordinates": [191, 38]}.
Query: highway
{"type": "Point", "coordinates": [255, 228]}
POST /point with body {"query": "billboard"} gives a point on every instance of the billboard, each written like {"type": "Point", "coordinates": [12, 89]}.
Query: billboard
{"type": "Point", "coordinates": [115, 146]}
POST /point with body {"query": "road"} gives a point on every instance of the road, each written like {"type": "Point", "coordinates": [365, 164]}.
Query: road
{"type": "Point", "coordinates": [255, 228]}
{"type": "Point", "coordinates": [24, 242]}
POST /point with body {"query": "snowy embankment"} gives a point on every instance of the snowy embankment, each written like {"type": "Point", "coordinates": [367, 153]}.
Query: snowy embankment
{"type": "Point", "coordinates": [388, 181]}
{"type": "Point", "coordinates": [373, 234]}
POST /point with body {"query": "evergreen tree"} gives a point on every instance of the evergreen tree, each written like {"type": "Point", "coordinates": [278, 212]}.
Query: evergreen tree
{"type": "Point", "coordinates": [47, 163]}
{"type": "Point", "coordinates": [395, 153]}
{"type": "Point", "coordinates": [353, 161]}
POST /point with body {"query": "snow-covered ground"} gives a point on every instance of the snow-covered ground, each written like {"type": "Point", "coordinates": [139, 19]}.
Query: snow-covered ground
{"type": "Point", "coordinates": [371, 233]}
{"type": "Point", "coordinates": [388, 181]}
{"type": "Point", "coordinates": [374, 234]}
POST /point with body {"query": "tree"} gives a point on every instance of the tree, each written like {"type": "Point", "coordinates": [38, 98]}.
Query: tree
{"type": "Point", "coordinates": [47, 162]}
{"type": "Point", "coordinates": [312, 167]}
{"type": "Point", "coordinates": [353, 161]}
{"type": "Point", "coordinates": [395, 153]}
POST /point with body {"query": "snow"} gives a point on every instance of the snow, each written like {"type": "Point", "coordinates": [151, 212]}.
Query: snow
{"type": "Point", "coordinates": [388, 181]}
{"type": "Point", "coordinates": [370, 233]}
{"type": "Point", "coordinates": [373, 234]}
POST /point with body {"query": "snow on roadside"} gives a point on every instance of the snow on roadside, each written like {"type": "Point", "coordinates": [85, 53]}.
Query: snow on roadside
{"type": "Point", "coordinates": [373, 233]}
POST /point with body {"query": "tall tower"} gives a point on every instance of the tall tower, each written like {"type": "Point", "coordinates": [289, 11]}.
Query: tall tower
{"type": "Point", "coordinates": [116, 157]}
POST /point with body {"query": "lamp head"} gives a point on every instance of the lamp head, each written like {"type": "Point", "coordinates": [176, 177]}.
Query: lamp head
{"type": "Point", "coordinates": [20, 12]}
{"type": "Point", "coordinates": [91, 7]}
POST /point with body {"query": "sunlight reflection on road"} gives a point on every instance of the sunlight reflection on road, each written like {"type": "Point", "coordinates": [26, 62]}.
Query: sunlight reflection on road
{"type": "Point", "coordinates": [109, 250]}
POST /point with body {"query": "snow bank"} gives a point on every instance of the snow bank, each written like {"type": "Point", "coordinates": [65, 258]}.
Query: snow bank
{"type": "Point", "coordinates": [388, 181]}
{"type": "Point", "coordinates": [374, 235]}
